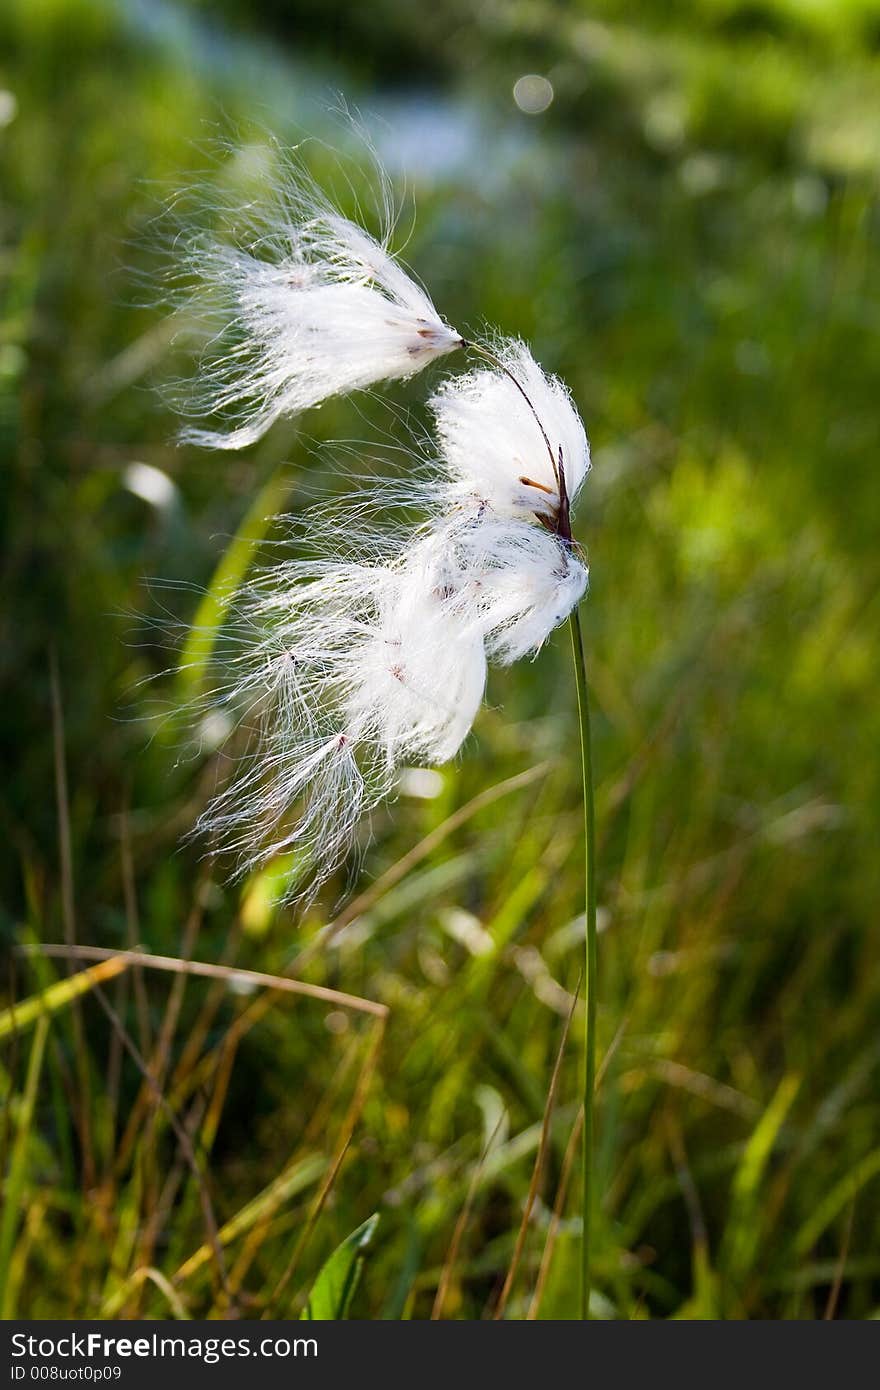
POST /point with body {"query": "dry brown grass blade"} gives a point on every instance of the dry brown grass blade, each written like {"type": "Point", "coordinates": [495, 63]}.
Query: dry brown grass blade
{"type": "Point", "coordinates": [690, 1195]}
{"type": "Point", "coordinates": [207, 970]}
{"type": "Point", "coordinates": [571, 1150]}
{"type": "Point", "coordinates": [160, 1214]}
{"type": "Point", "coordinates": [222, 1078]}
{"type": "Point", "coordinates": [250, 1248]}
{"type": "Point", "coordinates": [142, 1275]}
{"type": "Point", "coordinates": [199, 1034]}
{"type": "Point", "coordinates": [62, 805]}
{"type": "Point", "coordinates": [159, 1065]}
{"type": "Point", "coordinates": [171, 1016]}
{"type": "Point", "coordinates": [348, 1126]}
{"type": "Point", "coordinates": [538, 1166]}
{"type": "Point", "coordinates": [182, 1136]}
{"type": "Point", "coordinates": [322, 1116]}
{"type": "Point", "coordinates": [298, 1174]}
{"type": "Point", "coordinates": [132, 930]}
{"type": "Point", "coordinates": [68, 916]}
{"type": "Point", "coordinates": [194, 1047]}
{"type": "Point", "coordinates": [464, 1215]}
{"type": "Point", "coordinates": [113, 1081]}
{"type": "Point", "coordinates": [564, 1180]}
{"type": "Point", "coordinates": [160, 1053]}
{"type": "Point", "coordinates": [426, 846]}
{"type": "Point", "coordinates": [318, 1125]}
{"type": "Point", "coordinates": [839, 1273]}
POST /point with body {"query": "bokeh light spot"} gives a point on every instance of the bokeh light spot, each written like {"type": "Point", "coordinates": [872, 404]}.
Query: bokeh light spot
{"type": "Point", "coordinates": [532, 93]}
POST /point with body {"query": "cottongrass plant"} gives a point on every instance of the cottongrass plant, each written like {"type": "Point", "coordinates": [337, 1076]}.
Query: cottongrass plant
{"type": "Point", "coordinates": [354, 660]}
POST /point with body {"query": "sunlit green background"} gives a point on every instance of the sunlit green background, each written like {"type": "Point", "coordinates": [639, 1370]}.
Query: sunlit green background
{"type": "Point", "coordinates": [688, 233]}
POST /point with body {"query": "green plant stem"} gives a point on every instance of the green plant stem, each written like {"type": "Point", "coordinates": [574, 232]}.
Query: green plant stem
{"type": "Point", "coordinates": [591, 954]}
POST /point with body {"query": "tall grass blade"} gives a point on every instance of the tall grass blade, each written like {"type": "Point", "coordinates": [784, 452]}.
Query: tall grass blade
{"type": "Point", "coordinates": [742, 1234]}
{"type": "Point", "coordinates": [298, 1176]}
{"type": "Point", "coordinates": [538, 1165]}
{"type": "Point", "coordinates": [16, 1178]}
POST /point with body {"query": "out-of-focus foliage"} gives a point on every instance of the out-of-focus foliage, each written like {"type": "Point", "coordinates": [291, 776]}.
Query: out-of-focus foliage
{"type": "Point", "coordinates": [688, 232]}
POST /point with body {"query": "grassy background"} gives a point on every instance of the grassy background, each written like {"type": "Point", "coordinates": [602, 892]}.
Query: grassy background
{"type": "Point", "coordinates": [689, 235]}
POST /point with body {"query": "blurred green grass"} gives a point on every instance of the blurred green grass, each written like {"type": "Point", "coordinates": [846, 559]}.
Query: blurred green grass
{"type": "Point", "coordinates": [689, 235]}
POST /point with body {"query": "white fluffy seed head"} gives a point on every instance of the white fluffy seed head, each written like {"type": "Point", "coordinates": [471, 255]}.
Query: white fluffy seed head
{"type": "Point", "coordinates": [300, 304]}
{"type": "Point", "coordinates": [503, 430]}
{"type": "Point", "coordinates": [347, 666]}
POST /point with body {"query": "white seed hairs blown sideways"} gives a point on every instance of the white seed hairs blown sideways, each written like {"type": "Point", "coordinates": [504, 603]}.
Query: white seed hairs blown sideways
{"type": "Point", "coordinates": [349, 666]}
{"type": "Point", "coordinates": [299, 304]}
{"type": "Point", "coordinates": [346, 672]}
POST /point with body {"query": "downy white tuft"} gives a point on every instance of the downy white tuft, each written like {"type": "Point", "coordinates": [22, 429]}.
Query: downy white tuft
{"type": "Point", "coordinates": [422, 673]}
{"type": "Point", "coordinates": [523, 581]}
{"type": "Point", "coordinates": [303, 305]}
{"type": "Point", "coordinates": [511, 437]}
{"type": "Point", "coordinates": [342, 673]}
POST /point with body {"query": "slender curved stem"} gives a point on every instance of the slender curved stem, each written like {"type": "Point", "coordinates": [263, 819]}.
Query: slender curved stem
{"type": "Point", "coordinates": [563, 531]}
{"type": "Point", "coordinates": [489, 356]}
{"type": "Point", "coordinates": [591, 954]}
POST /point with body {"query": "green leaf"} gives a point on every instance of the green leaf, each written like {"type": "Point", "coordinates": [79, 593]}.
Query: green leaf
{"type": "Point", "coordinates": [334, 1287]}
